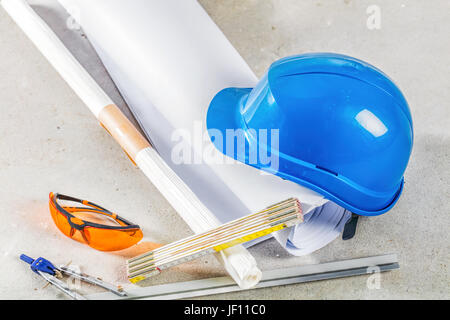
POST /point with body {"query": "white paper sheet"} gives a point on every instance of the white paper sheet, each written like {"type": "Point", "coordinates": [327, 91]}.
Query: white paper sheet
{"type": "Point", "coordinates": [168, 60]}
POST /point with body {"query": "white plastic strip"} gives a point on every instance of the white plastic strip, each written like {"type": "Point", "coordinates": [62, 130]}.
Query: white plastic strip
{"type": "Point", "coordinates": [168, 60]}
{"type": "Point", "coordinates": [237, 261]}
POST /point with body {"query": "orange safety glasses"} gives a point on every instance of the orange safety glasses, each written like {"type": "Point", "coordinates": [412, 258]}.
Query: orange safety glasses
{"type": "Point", "coordinates": [115, 233]}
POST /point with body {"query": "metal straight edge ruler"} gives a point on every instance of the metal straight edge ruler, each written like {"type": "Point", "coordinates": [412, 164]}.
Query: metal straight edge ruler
{"type": "Point", "coordinates": [271, 278]}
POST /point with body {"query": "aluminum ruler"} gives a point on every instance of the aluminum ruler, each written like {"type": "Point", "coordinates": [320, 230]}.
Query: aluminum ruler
{"type": "Point", "coordinates": [271, 278]}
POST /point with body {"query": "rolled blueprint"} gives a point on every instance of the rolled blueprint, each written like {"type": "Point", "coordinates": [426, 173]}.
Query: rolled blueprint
{"type": "Point", "coordinates": [169, 59]}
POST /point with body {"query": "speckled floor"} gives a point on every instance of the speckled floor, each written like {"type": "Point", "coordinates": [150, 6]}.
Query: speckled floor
{"type": "Point", "coordinates": [50, 142]}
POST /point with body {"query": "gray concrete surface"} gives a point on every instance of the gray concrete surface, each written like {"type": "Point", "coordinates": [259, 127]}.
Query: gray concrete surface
{"type": "Point", "coordinates": [49, 141]}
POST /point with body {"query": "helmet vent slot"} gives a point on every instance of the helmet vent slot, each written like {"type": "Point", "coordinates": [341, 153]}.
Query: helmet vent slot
{"type": "Point", "coordinates": [327, 170]}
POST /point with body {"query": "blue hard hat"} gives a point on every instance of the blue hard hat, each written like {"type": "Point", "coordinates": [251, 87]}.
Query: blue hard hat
{"type": "Point", "coordinates": [343, 128]}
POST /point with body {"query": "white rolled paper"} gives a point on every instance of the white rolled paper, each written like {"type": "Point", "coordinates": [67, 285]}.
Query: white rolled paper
{"type": "Point", "coordinates": [169, 59]}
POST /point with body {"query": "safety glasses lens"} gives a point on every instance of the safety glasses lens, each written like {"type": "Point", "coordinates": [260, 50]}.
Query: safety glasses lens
{"type": "Point", "coordinates": [112, 240]}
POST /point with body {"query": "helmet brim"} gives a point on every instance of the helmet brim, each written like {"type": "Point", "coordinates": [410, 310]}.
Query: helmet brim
{"type": "Point", "coordinates": [224, 114]}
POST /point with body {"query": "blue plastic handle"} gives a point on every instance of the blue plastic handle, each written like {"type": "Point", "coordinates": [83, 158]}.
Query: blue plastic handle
{"type": "Point", "coordinates": [40, 264]}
